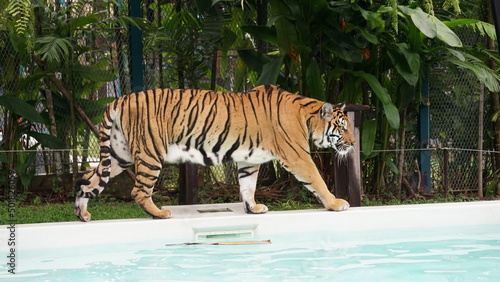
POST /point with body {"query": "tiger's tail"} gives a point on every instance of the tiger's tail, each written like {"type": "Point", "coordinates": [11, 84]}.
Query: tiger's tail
{"type": "Point", "coordinates": [94, 182]}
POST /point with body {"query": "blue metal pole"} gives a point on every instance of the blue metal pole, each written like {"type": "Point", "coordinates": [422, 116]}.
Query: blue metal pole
{"type": "Point", "coordinates": [135, 43]}
{"type": "Point", "coordinates": [424, 133]}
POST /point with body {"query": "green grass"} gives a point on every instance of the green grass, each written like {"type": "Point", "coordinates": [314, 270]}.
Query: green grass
{"type": "Point", "coordinates": [392, 200]}
{"type": "Point", "coordinates": [64, 212]}
{"type": "Point", "coordinates": [108, 208]}
{"type": "Point", "coordinates": [104, 209]}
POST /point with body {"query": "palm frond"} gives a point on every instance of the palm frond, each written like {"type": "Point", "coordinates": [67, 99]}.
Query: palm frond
{"type": "Point", "coordinates": [484, 74]}
{"type": "Point", "coordinates": [483, 28]}
{"type": "Point", "coordinates": [53, 48]}
{"type": "Point", "coordinates": [22, 17]}
{"type": "Point", "coordinates": [452, 4]}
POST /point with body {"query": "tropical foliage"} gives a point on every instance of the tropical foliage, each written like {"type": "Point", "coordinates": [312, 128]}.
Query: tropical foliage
{"type": "Point", "coordinates": [40, 41]}
{"type": "Point", "coordinates": [367, 52]}
{"type": "Point", "coordinates": [55, 58]}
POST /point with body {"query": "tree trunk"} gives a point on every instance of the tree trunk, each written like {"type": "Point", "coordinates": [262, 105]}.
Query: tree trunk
{"type": "Point", "coordinates": [53, 129]}
{"type": "Point", "coordinates": [495, 99]}
{"type": "Point", "coordinates": [401, 154]}
{"type": "Point", "coordinates": [480, 143]}
{"type": "Point", "coordinates": [50, 108]}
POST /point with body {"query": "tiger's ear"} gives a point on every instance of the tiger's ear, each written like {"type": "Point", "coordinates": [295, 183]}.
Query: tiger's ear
{"type": "Point", "coordinates": [326, 111]}
{"type": "Point", "coordinates": [341, 106]}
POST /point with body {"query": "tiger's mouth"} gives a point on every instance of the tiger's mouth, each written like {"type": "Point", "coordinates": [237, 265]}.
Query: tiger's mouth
{"type": "Point", "coordinates": [343, 149]}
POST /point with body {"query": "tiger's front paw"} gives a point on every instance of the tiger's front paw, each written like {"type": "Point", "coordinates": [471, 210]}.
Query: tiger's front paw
{"type": "Point", "coordinates": [80, 209]}
{"type": "Point", "coordinates": [338, 205]}
{"type": "Point", "coordinates": [82, 216]}
{"type": "Point", "coordinates": [255, 209]}
{"type": "Point", "coordinates": [163, 214]}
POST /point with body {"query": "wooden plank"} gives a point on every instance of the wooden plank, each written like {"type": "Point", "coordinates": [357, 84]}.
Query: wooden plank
{"type": "Point", "coordinates": [223, 243]}
{"type": "Point", "coordinates": [348, 172]}
{"type": "Point", "coordinates": [188, 184]}
{"type": "Point", "coordinates": [354, 163]}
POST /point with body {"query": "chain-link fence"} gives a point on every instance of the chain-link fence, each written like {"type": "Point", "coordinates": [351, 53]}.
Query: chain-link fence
{"type": "Point", "coordinates": [93, 76]}
{"type": "Point", "coordinates": [453, 98]}
{"type": "Point", "coordinates": [458, 161]}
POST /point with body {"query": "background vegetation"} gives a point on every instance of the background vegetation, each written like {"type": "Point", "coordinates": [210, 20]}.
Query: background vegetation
{"type": "Point", "coordinates": [61, 59]}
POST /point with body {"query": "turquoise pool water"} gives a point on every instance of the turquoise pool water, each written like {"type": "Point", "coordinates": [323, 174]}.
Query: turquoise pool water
{"type": "Point", "coordinates": [444, 254]}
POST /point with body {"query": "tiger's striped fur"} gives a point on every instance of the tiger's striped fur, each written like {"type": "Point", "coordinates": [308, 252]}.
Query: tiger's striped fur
{"type": "Point", "coordinates": [147, 129]}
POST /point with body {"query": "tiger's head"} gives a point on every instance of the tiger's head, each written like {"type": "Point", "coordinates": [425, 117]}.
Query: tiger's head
{"type": "Point", "coordinates": [334, 129]}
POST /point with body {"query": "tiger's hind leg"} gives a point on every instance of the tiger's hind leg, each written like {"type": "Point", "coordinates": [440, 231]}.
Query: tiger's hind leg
{"type": "Point", "coordinates": [115, 158]}
{"type": "Point", "coordinates": [146, 177]}
{"type": "Point", "coordinates": [90, 186]}
{"type": "Point", "coordinates": [94, 182]}
{"type": "Point", "coordinates": [247, 178]}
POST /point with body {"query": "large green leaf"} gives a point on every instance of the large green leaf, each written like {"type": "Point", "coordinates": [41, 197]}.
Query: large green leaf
{"type": "Point", "coordinates": [24, 166]}
{"type": "Point", "coordinates": [391, 165]}
{"type": "Point", "coordinates": [281, 8]}
{"type": "Point", "coordinates": [392, 114]}
{"type": "Point", "coordinates": [82, 21]}
{"type": "Point", "coordinates": [431, 26]}
{"type": "Point", "coordinates": [286, 35]}
{"type": "Point", "coordinates": [344, 46]}
{"type": "Point", "coordinates": [406, 95]}
{"type": "Point", "coordinates": [406, 62]}
{"type": "Point", "coordinates": [352, 89]}
{"type": "Point", "coordinates": [368, 36]}
{"type": "Point", "coordinates": [271, 71]}
{"type": "Point", "coordinates": [421, 20]}
{"type": "Point", "coordinates": [368, 134]}
{"type": "Point", "coordinates": [412, 58]}
{"type": "Point", "coordinates": [314, 82]}
{"type": "Point", "coordinates": [21, 108]}
{"type": "Point", "coordinates": [460, 22]}
{"type": "Point", "coordinates": [265, 33]}
{"type": "Point", "coordinates": [445, 34]}
{"type": "Point", "coordinates": [374, 19]}
{"type": "Point", "coordinates": [378, 89]}
{"type": "Point", "coordinates": [47, 140]}
{"type": "Point", "coordinates": [415, 39]}
{"type": "Point", "coordinates": [253, 59]}
{"type": "Point", "coordinates": [390, 110]}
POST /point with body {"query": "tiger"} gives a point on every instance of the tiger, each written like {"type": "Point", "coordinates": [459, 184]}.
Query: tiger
{"type": "Point", "coordinates": [150, 128]}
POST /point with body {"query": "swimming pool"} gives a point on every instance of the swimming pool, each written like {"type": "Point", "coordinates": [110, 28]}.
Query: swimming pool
{"type": "Point", "coordinates": [436, 242]}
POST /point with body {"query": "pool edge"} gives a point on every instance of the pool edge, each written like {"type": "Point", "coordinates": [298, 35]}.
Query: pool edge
{"type": "Point", "coordinates": [67, 234]}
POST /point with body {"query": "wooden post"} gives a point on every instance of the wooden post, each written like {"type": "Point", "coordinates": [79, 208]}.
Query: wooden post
{"type": "Point", "coordinates": [348, 173]}
{"type": "Point", "coordinates": [341, 179]}
{"type": "Point", "coordinates": [445, 171]}
{"type": "Point", "coordinates": [188, 184]}
{"type": "Point", "coordinates": [354, 163]}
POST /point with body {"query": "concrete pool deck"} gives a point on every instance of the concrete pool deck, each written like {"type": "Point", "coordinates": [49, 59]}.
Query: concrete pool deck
{"type": "Point", "coordinates": [190, 223]}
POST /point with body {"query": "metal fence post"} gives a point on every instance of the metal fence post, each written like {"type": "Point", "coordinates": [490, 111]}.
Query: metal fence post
{"type": "Point", "coordinates": [135, 43]}
{"type": "Point", "coordinates": [424, 133]}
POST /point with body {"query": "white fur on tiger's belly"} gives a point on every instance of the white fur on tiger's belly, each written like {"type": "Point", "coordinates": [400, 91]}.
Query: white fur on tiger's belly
{"type": "Point", "coordinates": [178, 153]}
